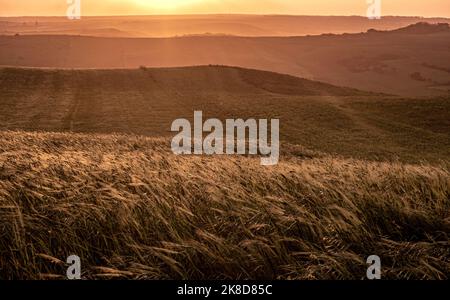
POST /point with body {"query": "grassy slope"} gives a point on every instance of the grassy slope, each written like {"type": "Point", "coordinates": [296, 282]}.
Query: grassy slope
{"type": "Point", "coordinates": [129, 208]}
{"type": "Point", "coordinates": [318, 116]}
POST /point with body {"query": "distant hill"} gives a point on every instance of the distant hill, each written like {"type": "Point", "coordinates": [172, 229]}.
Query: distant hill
{"type": "Point", "coordinates": [145, 101]}
{"type": "Point", "coordinates": [238, 25]}
{"type": "Point", "coordinates": [395, 62]}
{"type": "Point", "coordinates": [421, 28]}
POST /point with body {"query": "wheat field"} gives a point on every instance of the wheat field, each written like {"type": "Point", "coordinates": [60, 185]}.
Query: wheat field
{"type": "Point", "coordinates": [131, 209]}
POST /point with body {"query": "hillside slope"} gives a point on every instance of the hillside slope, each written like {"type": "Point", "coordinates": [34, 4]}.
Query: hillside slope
{"type": "Point", "coordinates": [146, 101]}
{"type": "Point", "coordinates": [395, 62]}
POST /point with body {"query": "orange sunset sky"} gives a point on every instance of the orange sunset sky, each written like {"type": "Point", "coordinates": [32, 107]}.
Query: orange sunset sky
{"type": "Point", "coordinates": [427, 8]}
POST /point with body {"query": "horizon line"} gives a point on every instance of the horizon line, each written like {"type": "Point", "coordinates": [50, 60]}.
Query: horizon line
{"type": "Point", "coordinates": [219, 14]}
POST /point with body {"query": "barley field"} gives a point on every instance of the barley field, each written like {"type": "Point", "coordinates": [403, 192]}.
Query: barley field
{"type": "Point", "coordinates": [132, 210]}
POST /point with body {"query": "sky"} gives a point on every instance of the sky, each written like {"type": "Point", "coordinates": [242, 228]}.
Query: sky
{"type": "Point", "coordinates": [426, 8]}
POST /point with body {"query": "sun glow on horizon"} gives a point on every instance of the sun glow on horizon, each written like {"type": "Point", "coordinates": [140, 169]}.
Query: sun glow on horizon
{"type": "Point", "coordinates": [429, 8]}
{"type": "Point", "coordinates": [171, 5]}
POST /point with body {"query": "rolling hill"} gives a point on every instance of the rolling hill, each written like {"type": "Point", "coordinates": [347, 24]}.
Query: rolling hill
{"type": "Point", "coordinates": [408, 62]}
{"type": "Point", "coordinates": [181, 25]}
{"type": "Point", "coordinates": [145, 101]}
